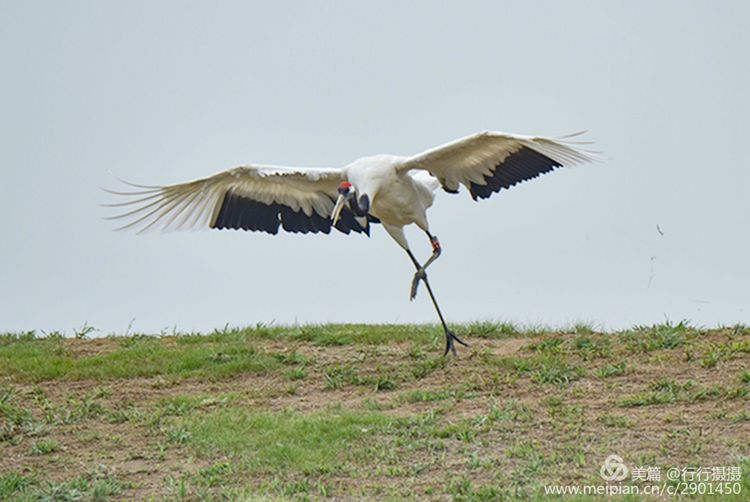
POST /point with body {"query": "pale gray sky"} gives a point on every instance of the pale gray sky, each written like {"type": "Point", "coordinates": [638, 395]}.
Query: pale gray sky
{"type": "Point", "coordinates": [162, 92]}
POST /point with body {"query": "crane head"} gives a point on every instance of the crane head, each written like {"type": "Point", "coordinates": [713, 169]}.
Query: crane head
{"type": "Point", "coordinates": [346, 193]}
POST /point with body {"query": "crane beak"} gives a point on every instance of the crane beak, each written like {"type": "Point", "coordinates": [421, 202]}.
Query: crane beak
{"type": "Point", "coordinates": [337, 209]}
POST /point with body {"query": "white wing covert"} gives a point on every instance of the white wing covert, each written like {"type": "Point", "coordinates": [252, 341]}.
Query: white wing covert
{"type": "Point", "coordinates": [256, 197]}
{"type": "Point", "coordinates": [489, 161]}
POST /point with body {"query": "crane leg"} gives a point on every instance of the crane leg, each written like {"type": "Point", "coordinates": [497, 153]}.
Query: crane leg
{"type": "Point", "coordinates": [420, 274]}
{"type": "Point", "coordinates": [450, 336]}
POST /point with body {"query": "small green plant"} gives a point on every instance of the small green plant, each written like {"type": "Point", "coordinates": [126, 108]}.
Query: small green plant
{"type": "Point", "coordinates": [416, 352]}
{"type": "Point", "coordinates": [83, 331]}
{"type": "Point", "coordinates": [590, 347]}
{"type": "Point", "coordinates": [666, 391]}
{"type": "Point", "coordinates": [488, 329]}
{"type": "Point", "coordinates": [662, 392]}
{"type": "Point", "coordinates": [16, 421]}
{"type": "Point", "coordinates": [337, 376]}
{"type": "Point", "coordinates": [615, 421]}
{"type": "Point", "coordinates": [742, 416]}
{"type": "Point", "coordinates": [12, 482]}
{"type": "Point", "coordinates": [297, 373]}
{"type": "Point", "coordinates": [583, 328]}
{"type": "Point", "coordinates": [383, 383]}
{"type": "Point", "coordinates": [552, 345]}
{"type": "Point", "coordinates": [97, 485]}
{"type": "Point", "coordinates": [556, 371]}
{"type": "Point", "coordinates": [512, 410]}
{"type": "Point", "coordinates": [710, 358]}
{"type": "Point", "coordinates": [420, 396]}
{"type": "Point", "coordinates": [611, 370]}
{"type": "Point", "coordinates": [179, 435]}
{"type": "Point", "coordinates": [657, 337]}
{"type": "Point", "coordinates": [292, 358]}
{"type": "Point", "coordinates": [45, 447]}
{"type": "Point", "coordinates": [215, 474]}
{"type": "Point", "coordinates": [427, 366]}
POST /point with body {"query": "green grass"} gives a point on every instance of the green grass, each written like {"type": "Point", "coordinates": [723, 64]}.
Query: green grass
{"type": "Point", "coordinates": [551, 345]}
{"type": "Point", "coordinates": [590, 347]}
{"type": "Point", "coordinates": [356, 411]}
{"type": "Point", "coordinates": [616, 421]}
{"type": "Point", "coordinates": [550, 367]}
{"type": "Point", "coordinates": [11, 483]}
{"type": "Point", "coordinates": [426, 367]}
{"type": "Point", "coordinates": [97, 485]}
{"type": "Point", "coordinates": [338, 376]}
{"type": "Point", "coordinates": [511, 410]}
{"type": "Point", "coordinates": [555, 370]}
{"type": "Point", "coordinates": [421, 396]}
{"type": "Point", "coordinates": [46, 359]}
{"type": "Point", "coordinates": [658, 337]}
{"type": "Point", "coordinates": [223, 353]}
{"type": "Point", "coordinates": [718, 352]}
{"type": "Point", "coordinates": [286, 441]}
{"type": "Point", "coordinates": [667, 391]}
{"type": "Point", "coordinates": [612, 370]}
{"type": "Point", "coordinates": [489, 329]}
{"type": "Point", "coordinates": [218, 355]}
{"type": "Point", "coordinates": [586, 345]}
{"type": "Point", "coordinates": [16, 421]}
{"type": "Point", "coordinates": [297, 373]}
{"type": "Point", "coordinates": [341, 334]}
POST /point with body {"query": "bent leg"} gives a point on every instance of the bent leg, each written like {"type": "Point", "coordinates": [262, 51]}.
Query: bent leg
{"type": "Point", "coordinates": [420, 275]}
{"type": "Point", "coordinates": [450, 336]}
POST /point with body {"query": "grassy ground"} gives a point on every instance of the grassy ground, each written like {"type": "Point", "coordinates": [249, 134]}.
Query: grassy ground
{"type": "Point", "coordinates": [363, 411]}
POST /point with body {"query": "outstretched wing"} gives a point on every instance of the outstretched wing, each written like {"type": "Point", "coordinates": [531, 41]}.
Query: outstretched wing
{"type": "Point", "coordinates": [490, 161]}
{"type": "Point", "coordinates": [259, 198]}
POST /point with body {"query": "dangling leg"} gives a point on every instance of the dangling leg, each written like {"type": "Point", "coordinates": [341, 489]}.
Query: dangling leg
{"type": "Point", "coordinates": [420, 274]}
{"type": "Point", "coordinates": [450, 337]}
{"type": "Point", "coordinates": [398, 235]}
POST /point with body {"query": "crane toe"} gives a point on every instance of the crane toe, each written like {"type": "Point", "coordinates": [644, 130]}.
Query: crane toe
{"type": "Point", "coordinates": [419, 275]}
{"type": "Point", "coordinates": [450, 337]}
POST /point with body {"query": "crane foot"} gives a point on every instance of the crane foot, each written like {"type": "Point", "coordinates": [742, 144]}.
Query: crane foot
{"type": "Point", "coordinates": [449, 346]}
{"type": "Point", "coordinates": [420, 275]}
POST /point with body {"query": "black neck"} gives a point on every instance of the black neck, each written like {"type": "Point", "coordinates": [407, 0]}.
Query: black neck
{"type": "Point", "coordinates": [361, 207]}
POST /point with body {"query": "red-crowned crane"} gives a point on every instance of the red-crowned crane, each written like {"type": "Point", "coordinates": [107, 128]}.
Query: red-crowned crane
{"type": "Point", "coordinates": [392, 190]}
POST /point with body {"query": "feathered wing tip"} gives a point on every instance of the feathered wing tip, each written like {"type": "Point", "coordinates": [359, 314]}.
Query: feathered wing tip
{"type": "Point", "coordinates": [568, 150]}
{"type": "Point", "coordinates": [135, 185]}
{"type": "Point", "coordinates": [177, 207]}
{"type": "Point", "coordinates": [573, 135]}
{"type": "Point", "coordinates": [567, 139]}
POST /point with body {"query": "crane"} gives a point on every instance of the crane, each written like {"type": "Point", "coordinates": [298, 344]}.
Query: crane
{"type": "Point", "coordinates": [391, 190]}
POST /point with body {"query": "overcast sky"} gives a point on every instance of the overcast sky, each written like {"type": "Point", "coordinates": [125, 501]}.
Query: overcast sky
{"type": "Point", "coordinates": [163, 92]}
